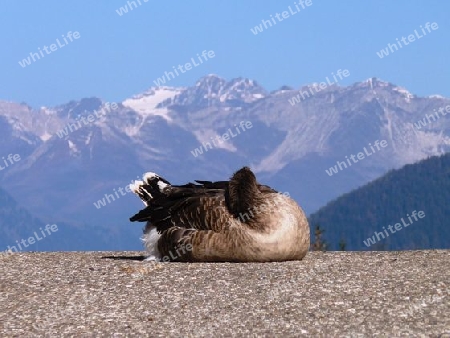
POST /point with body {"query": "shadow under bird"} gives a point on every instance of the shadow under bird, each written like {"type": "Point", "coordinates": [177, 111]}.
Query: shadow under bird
{"type": "Point", "coordinates": [238, 220]}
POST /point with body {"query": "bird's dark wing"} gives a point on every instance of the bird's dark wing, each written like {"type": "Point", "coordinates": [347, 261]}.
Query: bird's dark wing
{"type": "Point", "coordinates": [188, 206]}
{"type": "Point", "coordinates": [203, 206]}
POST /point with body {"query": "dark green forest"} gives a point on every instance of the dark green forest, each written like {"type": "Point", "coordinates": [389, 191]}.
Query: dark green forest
{"type": "Point", "coordinates": [355, 216]}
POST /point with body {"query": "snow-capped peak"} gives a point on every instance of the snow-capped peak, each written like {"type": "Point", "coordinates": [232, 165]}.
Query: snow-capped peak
{"type": "Point", "coordinates": [404, 92]}
{"type": "Point", "coordinates": [150, 101]}
{"type": "Point", "coordinates": [436, 96]}
{"type": "Point", "coordinates": [375, 82]}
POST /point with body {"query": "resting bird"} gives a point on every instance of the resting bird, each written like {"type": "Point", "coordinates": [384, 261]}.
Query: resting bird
{"type": "Point", "coordinates": [238, 220]}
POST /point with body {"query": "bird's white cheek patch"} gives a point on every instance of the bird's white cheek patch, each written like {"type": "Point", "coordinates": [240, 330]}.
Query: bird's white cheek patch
{"type": "Point", "coordinates": [148, 177]}
{"type": "Point", "coordinates": [162, 185]}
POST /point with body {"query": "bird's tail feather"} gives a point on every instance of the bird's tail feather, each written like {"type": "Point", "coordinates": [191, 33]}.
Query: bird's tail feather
{"type": "Point", "coordinates": [242, 193]}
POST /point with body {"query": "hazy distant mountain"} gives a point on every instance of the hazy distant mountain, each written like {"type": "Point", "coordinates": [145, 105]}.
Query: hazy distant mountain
{"type": "Point", "coordinates": [77, 157]}
{"type": "Point", "coordinates": [20, 231]}
{"type": "Point", "coordinates": [380, 215]}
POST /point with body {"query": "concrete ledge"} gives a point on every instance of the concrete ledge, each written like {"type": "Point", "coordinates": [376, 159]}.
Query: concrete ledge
{"type": "Point", "coordinates": [351, 294]}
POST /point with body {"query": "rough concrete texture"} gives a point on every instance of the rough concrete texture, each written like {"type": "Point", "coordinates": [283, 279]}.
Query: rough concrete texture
{"type": "Point", "coordinates": [333, 294]}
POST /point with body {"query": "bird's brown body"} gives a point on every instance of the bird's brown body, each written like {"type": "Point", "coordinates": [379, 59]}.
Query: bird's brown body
{"type": "Point", "coordinates": [233, 221]}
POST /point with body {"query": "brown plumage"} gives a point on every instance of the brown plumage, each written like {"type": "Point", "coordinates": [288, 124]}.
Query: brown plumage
{"type": "Point", "coordinates": [234, 221]}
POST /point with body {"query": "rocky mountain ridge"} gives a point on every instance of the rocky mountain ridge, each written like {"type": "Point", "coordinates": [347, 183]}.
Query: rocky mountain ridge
{"type": "Point", "coordinates": [75, 154]}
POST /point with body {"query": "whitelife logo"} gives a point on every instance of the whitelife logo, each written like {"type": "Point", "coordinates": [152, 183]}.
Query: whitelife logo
{"type": "Point", "coordinates": [244, 125]}
{"type": "Point", "coordinates": [129, 7]}
{"type": "Point", "coordinates": [265, 24]}
{"type": "Point", "coordinates": [319, 87]}
{"type": "Point", "coordinates": [380, 235]}
{"type": "Point", "coordinates": [49, 49]}
{"type": "Point", "coordinates": [361, 156]}
{"type": "Point", "coordinates": [167, 76]}
{"type": "Point", "coordinates": [411, 38]}
{"type": "Point", "coordinates": [11, 159]}
{"type": "Point", "coordinates": [71, 127]}
{"type": "Point", "coordinates": [422, 123]}
{"type": "Point", "coordinates": [49, 229]}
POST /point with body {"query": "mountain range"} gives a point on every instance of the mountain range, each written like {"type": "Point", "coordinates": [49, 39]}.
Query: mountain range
{"type": "Point", "coordinates": [76, 159]}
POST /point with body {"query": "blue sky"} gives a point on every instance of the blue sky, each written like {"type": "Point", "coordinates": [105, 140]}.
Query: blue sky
{"type": "Point", "coordinates": [118, 56]}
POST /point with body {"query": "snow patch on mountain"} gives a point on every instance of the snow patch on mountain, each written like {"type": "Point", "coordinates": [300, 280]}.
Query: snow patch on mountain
{"type": "Point", "coordinates": [206, 138]}
{"type": "Point", "coordinates": [88, 138]}
{"type": "Point", "coordinates": [148, 102]}
{"type": "Point", "coordinates": [45, 137]}
{"type": "Point", "coordinates": [408, 96]}
{"type": "Point", "coordinates": [73, 148]}
{"type": "Point", "coordinates": [212, 90]}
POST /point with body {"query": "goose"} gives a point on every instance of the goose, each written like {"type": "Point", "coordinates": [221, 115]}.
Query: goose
{"type": "Point", "coordinates": [238, 220]}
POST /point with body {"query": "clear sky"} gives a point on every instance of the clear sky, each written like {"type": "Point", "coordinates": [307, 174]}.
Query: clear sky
{"type": "Point", "coordinates": [117, 56]}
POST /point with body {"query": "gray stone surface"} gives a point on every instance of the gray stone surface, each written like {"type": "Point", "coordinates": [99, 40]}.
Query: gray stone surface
{"type": "Point", "coordinates": [334, 294]}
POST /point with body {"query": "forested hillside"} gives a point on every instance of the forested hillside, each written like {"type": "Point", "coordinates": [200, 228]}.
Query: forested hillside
{"type": "Point", "coordinates": [356, 216]}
